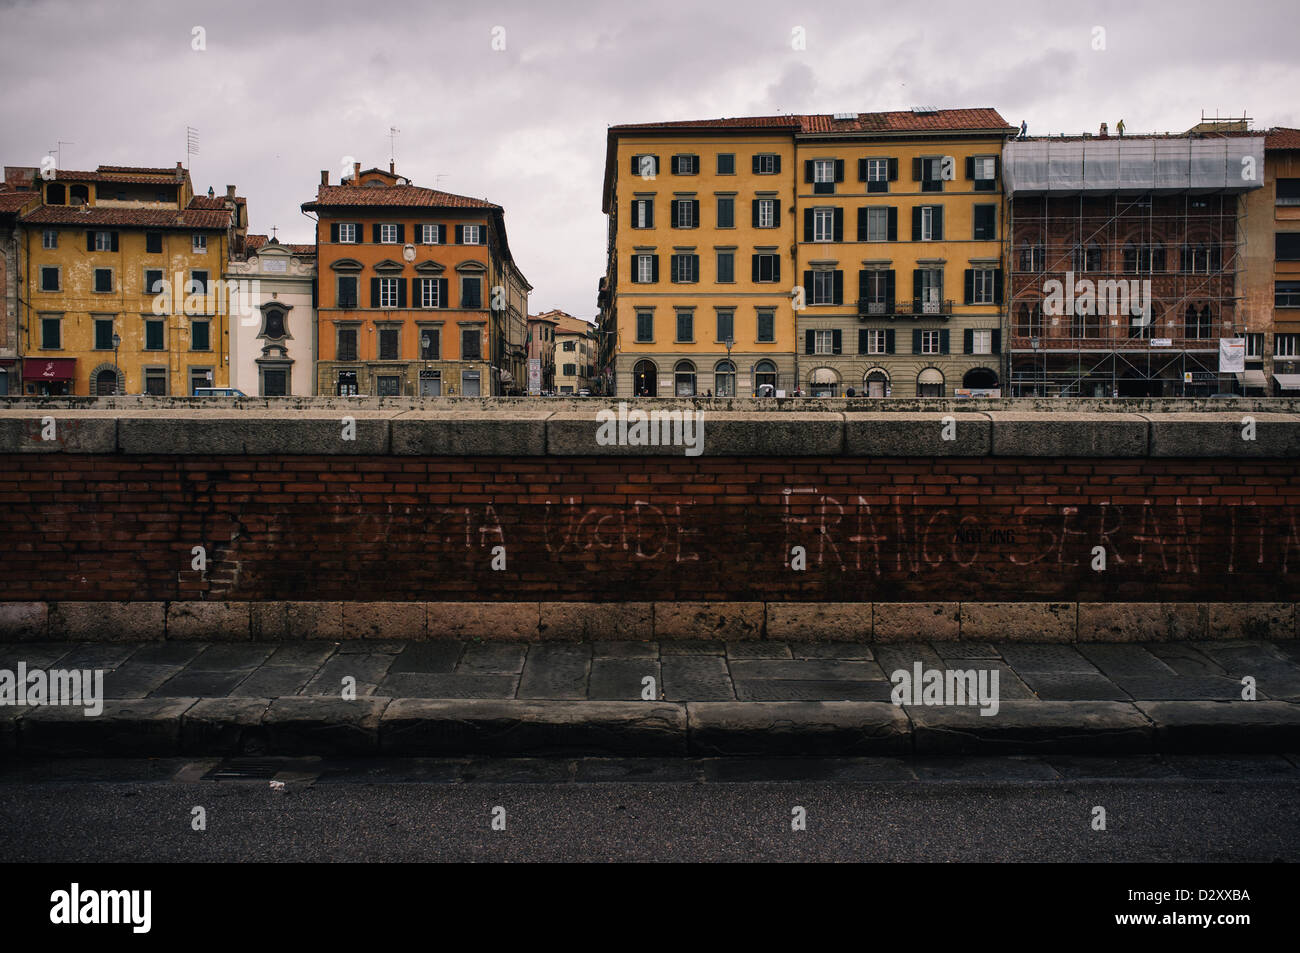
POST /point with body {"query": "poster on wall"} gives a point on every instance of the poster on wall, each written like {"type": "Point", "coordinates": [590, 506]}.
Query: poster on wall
{"type": "Point", "coordinates": [534, 376]}
{"type": "Point", "coordinates": [1232, 355]}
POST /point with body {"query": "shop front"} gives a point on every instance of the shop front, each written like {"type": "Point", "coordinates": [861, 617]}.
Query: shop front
{"type": "Point", "coordinates": [48, 377]}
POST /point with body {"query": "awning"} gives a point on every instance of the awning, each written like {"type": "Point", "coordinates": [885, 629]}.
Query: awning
{"type": "Point", "coordinates": [929, 376]}
{"type": "Point", "coordinates": [1287, 381]}
{"type": "Point", "coordinates": [1252, 379]}
{"type": "Point", "coordinates": [54, 369]}
{"type": "Point", "coordinates": [824, 375]}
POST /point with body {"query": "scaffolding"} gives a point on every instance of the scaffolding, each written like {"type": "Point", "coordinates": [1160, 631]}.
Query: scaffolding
{"type": "Point", "coordinates": [1089, 220]}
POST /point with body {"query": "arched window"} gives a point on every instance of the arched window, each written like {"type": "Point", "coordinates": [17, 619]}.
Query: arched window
{"type": "Point", "coordinates": [765, 379]}
{"type": "Point", "coordinates": [1032, 256]}
{"type": "Point", "coordinates": [724, 379]}
{"type": "Point", "coordinates": [645, 379]}
{"type": "Point", "coordinates": [876, 383]}
{"type": "Point", "coordinates": [684, 379]}
{"type": "Point", "coordinates": [78, 195]}
{"type": "Point", "coordinates": [56, 194]}
{"type": "Point", "coordinates": [1029, 320]}
{"type": "Point", "coordinates": [824, 382]}
{"type": "Point", "coordinates": [273, 326]}
{"type": "Point", "coordinates": [929, 383]}
{"type": "Point", "coordinates": [1198, 322]}
{"type": "Point", "coordinates": [980, 378]}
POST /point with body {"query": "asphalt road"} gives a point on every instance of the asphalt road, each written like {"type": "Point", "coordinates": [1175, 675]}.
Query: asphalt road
{"type": "Point", "coordinates": [1012, 809]}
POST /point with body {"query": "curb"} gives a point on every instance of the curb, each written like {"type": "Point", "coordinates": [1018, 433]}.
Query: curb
{"type": "Point", "coordinates": [370, 726]}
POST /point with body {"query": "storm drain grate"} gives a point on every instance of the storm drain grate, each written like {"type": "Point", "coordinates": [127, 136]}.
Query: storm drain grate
{"type": "Point", "coordinates": [245, 769]}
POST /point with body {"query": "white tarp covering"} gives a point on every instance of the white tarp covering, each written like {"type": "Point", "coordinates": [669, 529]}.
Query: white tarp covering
{"type": "Point", "coordinates": [1179, 163]}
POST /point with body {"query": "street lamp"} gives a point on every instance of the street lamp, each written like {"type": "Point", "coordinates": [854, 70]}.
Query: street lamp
{"type": "Point", "coordinates": [117, 373]}
{"type": "Point", "coordinates": [730, 342]}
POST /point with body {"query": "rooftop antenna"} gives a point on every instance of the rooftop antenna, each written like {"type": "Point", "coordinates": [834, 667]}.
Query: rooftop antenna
{"type": "Point", "coordinates": [191, 144]}
{"type": "Point", "coordinates": [392, 146]}
{"type": "Point", "coordinates": [58, 152]}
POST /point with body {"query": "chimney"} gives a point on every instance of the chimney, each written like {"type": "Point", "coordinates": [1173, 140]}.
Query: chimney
{"type": "Point", "coordinates": [230, 193]}
{"type": "Point", "coordinates": [356, 173]}
{"type": "Point", "coordinates": [1103, 132]}
{"type": "Point", "coordinates": [324, 176]}
{"type": "Point", "coordinates": [391, 168]}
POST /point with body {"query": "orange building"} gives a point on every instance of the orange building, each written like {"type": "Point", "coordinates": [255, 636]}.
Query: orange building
{"type": "Point", "coordinates": [415, 290]}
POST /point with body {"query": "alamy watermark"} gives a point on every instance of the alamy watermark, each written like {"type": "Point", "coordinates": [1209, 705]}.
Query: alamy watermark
{"type": "Point", "coordinates": [58, 686]}
{"type": "Point", "coordinates": [232, 296]}
{"type": "Point", "coordinates": [77, 906]}
{"type": "Point", "coordinates": [946, 687]}
{"type": "Point", "coordinates": [657, 428]}
{"type": "Point", "coordinates": [1109, 297]}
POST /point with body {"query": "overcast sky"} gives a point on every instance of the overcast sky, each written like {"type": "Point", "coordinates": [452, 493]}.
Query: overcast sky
{"type": "Point", "coordinates": [285, 89]}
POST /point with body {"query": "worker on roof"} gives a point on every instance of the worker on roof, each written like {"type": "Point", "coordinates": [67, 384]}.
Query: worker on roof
{"type": "Point", "coordinates": [1119, 128]}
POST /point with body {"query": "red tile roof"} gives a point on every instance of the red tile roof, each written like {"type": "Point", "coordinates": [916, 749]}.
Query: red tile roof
{"type": "Point", "coordinates": [144, 177]}
{"type": "Point", "coordinates": [898, 121]}
{"type": "Point", "coordinates": [399, 196]}
{"type": "Point", "coordinates": [253, 242]}
{"type": "Point", "coordinates": [11, 202]}
{"type": "Point", "coordinates": [128, 217]}
{"type": "Point", "coordinates": [147, 169]}
{"type": "Point", "coordinates": [216, 202]}
{"type": "Point", "coordinates": [1282, 137]}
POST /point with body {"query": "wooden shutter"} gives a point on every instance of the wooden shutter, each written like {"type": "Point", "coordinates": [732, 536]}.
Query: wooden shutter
{"type": "Point", "coordinates": [754, 166]}
{"type": "Point", "coordinates": [837, 284]}
{"type": "Point", "coordinates": [374, 233]}
{"type": "Point", "coordinates": [808, 286]}
{"type": "Point", "coordinates": [753, 260]}
{"type": "Point", "coordinates": [837, 228]}
{"type": "Point", "coordinates": [443, 293]}
{"type": "Point", "coordinates": [916, 170]}
{"type": "Point", "coordinates": [970, 287]}
{"type": "Point", "coordinates": [889, 285]}
{"type": "Point", "coordinates": [839, 170]}
{"type": "Point", "coordinates": [970, 167]}
{"type": "Point", "coordinates": [416, 300]}
{"type": "Point", "coordinates": [635, 272]}
{"type": "Point", "coordinates": [649, 213]}
{"type": "Point", "coordinates": [90, 241]}
{"type": "Point", "coordinates": [893, 170]}
{"type": "Point", "coordinates": [916, 223]}
{"type": "Point", "coordinates": [916, 283]}
{"type": "Point", "coordinates": [776, 213]}
{"type": "Point", "coordinates": [997, 287]}
{"type": "Point", "coordinates": [334, 232]}
{"type": "Point", "coordinates": [862, 340]}
{"type": "Point", "coordinates": [442, 234]}
{"type": "Point", "coordinates": [674, 270]}
{"type": "Point", "coordinates": [997, 341]}
{"type": "Point", "coordinates": [754, 208]}
{"type": "Point", "coordinates": [916, 341]}
{"type": "Point", "coordinates": [401, 293]}
{"type": "Point", "coordinates": [374, 292]}
{"type": "Point", "coordinates": [695, 267]}
{"type": "Point", "coordinates": [889, 340]}
{"type": "Point", "coordinates": [862, 170]}
{"type": "Point", "coordinates": [938, 223]}
{"type": "Point", "coordinates": [636, 165]}
{"type": "Point", "coordinates": [807, 170]}
{"type": "Point", "coordinates": [807, 224]}
{"type": "Point", "coordinates": [863, 276]}
{"type": "Point", "coordinates": [837, 341]}
{"type": "Point", "coordinates": [460, 234]}
{"type": "Point", "coordinates": [695, 213]}
{"type": "Point", "coordinates": [943, 341]}
{"type": "Point", "coordinates": [892, 227]}
{"type": "Point", "coordinates": [654, 267]}
{"type": "Point", "coordinates": [862, 224]}
{"type": "Point", "coordinates": [776, 163]}
{"type": "Point", "coordinates": [808, 345]}
{"type": "Point", "coordinates": [113, 240]}
{"type": "Point", "coordinates": [968, 341]}
{"type": "Point", "coordinates": [776, 267]}
{"type": "Point", "coordinates": [401, 234]}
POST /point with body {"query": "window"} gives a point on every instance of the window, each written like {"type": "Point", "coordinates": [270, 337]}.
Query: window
{"type": "Point", "coordinates": [685, 268]}
{"type": "Point", "coordinates": [726, 211]}
{"type": "Point", "coordinates": [387, 292]}
{"type": "Point", "coordinates": [927, 223]}
{"type": "Point", "coordinates": [1198, 322]}
{"type": "Point", "coordinates": [1200, 258]}
{"type": "Point", "coordinates": [1143, 258]}
{"type": "Point", "coordinates": [1085, 258]}
{"type": "Point", "coordinates": [51, 333]}
{"type": "Point", "coordinates": [388, 344]}
{"type": "Point", "coordinates": [430, 343]}
{"type": "Point", "coordinates": [430, 293]}
{"type": "Point", "coordinates": [199, 244]}
{"type": "Point", "coordinates": [199, 282]}
{"type": "Point", "coordinates": [471, 344]}
{"type": "Point", "coordinates": [568, 345]}
{"type": "Point", "coordinates": [766, 326]}
{"type": "Point", "coordinates": [767, 267]}
{"type": "Point", "coordinates": [877, 174]}
{"type": "Point", "coordinates": [471, 292]}
{"type": "Point", "coordinates": [388, 234]}
{"type": "Point", "coordinates": [275, 382]}
{"type": "Point", "coordinates": [875, 292]}
{"type": "Point", "coordinates": [388, 385]}
{"type": "Point", "coordinates": [1286, 294]}
{"type": "Point", "coordinates": [103, 279]}
{"type": "Point", "coordinates": [273, 324]}
{"type": "Point", "coordinates": [646, 166]}
{"type": "Point", "coordinates": [155, 381]}
{"type": "Point", "coordinates": [347, 291]}
{"type": "Point", "coordinates": [984, 170]}
{"type": "Point", "coordinates": [928, 285]}
{"type": "Point", "coordinates": [1254, 346]}
{"type": "Point", "coordinates": [1288, 191]}
{"type": "Point", "coordinates": [686, 165]}
{"type": "Point", "coordinates": [823, 224]}
{"type": "Point", "coordinates": [569, 370]}
{"type": "Point", "coordinates": [1285, 345]}
{"type": "Point", "coordinates": [348, 233]}
{"type": "Point", "coordinates": [1029, 321]}
{"type": "Point", "coordinates": [684, 379]}
{"type": "Point", "coordinates": [765, 379]}
{"type": "Point", "coordinates": [49, 238]}
{"type": "Point", "coordinates": [877, 225]}
{"type": "Point", "coordinates": [726, 163]}
{"type": "Point", "coordinates": [724, 379]}
{"type": "Point", "coordinates": [1032, 256]}
{"type": "Point", "coordinates": [645, 326]}
{"type": "Point", "coordinates": [981, 342]}
{"type": "Point", "coordinates": [153, 335]}
{"type": "Point", "coordinates": [876, 342]}
{"type": "Point", "coordinates": [685, 213]}
{"type": "Point", "coordinates": [766, 163]}
{"type": "Point", "coordinates": [153, 279]}
{"type": "Point", "coordinates": [643, 213]}
{"type": "Point", "coordinates": [824, 285]}
{"type": "Point", "coordinates": [823, 176]}
{"type": "Point", "coordinates": [931, 176]}
{"type": "Point", "coordinates": [765, 213]}
{"type": "Point", "coordinates": [986, 223]}
{"type": "Point", "coordinates": [472, 235]}
{"type": "Point", "coordinates": [726, 326]}
{"type": "Point", "coordinates": [823, 342]}
{"type": "Point", "coordinates": [647, 269]}
{"type": "Point", "coordinates": [983, 286]}
{"type": "Point", "coordinates": [929, 342]}
{"type": "Point", "coordinates": [347, 349]}
{"type": "Point", "coordinates": [726, 267]}
{"type": "Point", "coordinates": [929, 383]}
{"type": "Point", "coordinates": [104, 241]}
{"type": "Point", "coordinates": [200, 336]}
{"type": "Point", "coordinates": [347, 383]}
{"type": "Point", "coordinates": [103, 334]}
{"type": "Point", "coordinates": [685, 326]}
{"type": "Point", "coordinates": [153, 243]}
{"type": "Point", "coordinates": [429, 234]}
{"type": "Point", "coordinates": [49, 278]}
{"type": "Point", "coordinates": [469, 384]}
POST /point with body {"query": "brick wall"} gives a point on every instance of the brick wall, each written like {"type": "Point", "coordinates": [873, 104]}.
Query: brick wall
{"type": "Point", "coordinates": [383, 527]}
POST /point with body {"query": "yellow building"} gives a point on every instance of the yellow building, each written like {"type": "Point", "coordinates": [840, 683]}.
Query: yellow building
{"type": "Point", "coordinates": [812, 254]}
{"type": "Point", "coordinates": [122, 272]}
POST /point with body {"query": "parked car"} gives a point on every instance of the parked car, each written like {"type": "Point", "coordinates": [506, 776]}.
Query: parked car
{"type": "Point", "coordinates": [584, 392]}
{"type": "Point", "coordinates": [218, 392]}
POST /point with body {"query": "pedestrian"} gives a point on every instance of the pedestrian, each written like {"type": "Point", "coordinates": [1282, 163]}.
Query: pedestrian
{"type": "Point", "coordinates": [851, 392]}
